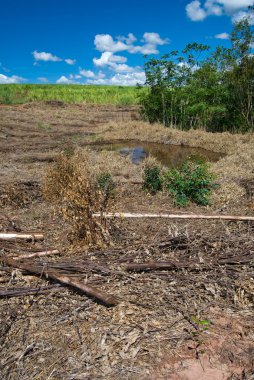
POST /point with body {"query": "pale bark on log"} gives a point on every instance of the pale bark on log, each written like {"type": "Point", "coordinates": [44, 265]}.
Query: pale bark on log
{"type": "Point", "coordinates": [37, 254]}
{"type": "Point", "coordinates": [173, 216]}
{"type": "Point", "coordinates": [105, 298]}
{"type": "Point", "coordinates": [21, 235]}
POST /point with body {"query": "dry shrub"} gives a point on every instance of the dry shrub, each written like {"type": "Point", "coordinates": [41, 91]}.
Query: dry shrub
{"type": "Point", "coordinates": [71, 186]}
{"type": "Point", "coordinates": [19, 194]}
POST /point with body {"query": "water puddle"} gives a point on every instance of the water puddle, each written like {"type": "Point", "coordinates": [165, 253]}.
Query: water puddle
{"type": "Point", "coordinates": [168, 155]}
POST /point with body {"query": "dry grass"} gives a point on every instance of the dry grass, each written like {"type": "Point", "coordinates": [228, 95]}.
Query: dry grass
{"type": "Point", "coordinates": [70, 185]}
{"type": "Point", "coordinates": [237, 165]}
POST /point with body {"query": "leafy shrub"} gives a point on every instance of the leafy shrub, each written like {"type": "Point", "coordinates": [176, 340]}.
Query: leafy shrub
{"type": "Point", "coordinates": [106, 187]}
{"type": "Point", "coordinates": [152, 179]}
{"type": "Point", "coordinates": [191, 182]}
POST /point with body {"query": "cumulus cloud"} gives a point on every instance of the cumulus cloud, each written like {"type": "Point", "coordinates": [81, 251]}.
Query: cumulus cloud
{"type": "Point", "coordinates": [106, 43]}
{"type": "Point", "coordinates": [108, 46]}
{"type": "Point", "coordinates": [87, 73]}
{"type": "Point", "coordinates": [43, 79]}
{"type": "Point", "coordinates": [222, 36]}
{"type": "Point", "coordinates": [154, 38]}
{"type": "Point", "coordinates": [91, 74]}
{"type": "Point", "coordinates": [107, 58]}
{"type": "Point", "coordinates": [43, 56]}
{"type": "Point", "coordinates": [198, 11]}
{"type": "Point", "coordinates": [128, 79]}
{"type": "Point", "coordinates": [75, 76]}
{"type": "Point", "coordinates": [70, 61]}
{"type": "Point", "coordinates": [49, 57]}
{"type": "Point", "coordinates": [195, 12]}
{"type": "Point", "coordinates": [4, 79]}
{"type": "Point", "coordinates": [114, 62]}
{"type": "Point", "coordinates": [64, 80]}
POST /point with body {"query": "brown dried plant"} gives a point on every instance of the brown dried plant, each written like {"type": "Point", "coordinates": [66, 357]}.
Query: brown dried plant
{"type": "Point", "coordinates": [70, 185]}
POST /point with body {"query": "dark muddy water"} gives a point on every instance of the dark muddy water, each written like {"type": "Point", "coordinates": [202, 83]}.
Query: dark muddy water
{"type": "Point", "coordinates": [168, 155]}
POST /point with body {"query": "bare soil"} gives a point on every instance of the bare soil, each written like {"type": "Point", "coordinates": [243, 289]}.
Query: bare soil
{"type": "Point", "coordinates": [194, 321]}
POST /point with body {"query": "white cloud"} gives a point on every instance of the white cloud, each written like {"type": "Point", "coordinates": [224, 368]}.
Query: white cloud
{"type": "Point", "coordinates": [87, 73]}
{"type": "Point", "coordinates": [119, 68]}
{"type": "Point", "coordinates": [114, 62]}
{"type": "Point", "coordinates": [145, 49]}
{"type": "Point", "coordinates": [91, 74]}
{"type": "Point", "coordinates": [64, 80]}
{"type": "Point", "coordinates": [108, 58]}
{"type": "Point", "coordinates": [13, 79]}
{"type": "Point", "coordinates": [42, 56]}
{"type": "Point", "coordinates": [129, 39]}
{"type": "Point", "coordinates": [198, 11]}
{"type": "Point", "coordinates": [232, 6]}
{"type": "Point", "coordinates": [106, 43]}
{"type": "Point", "coordinates": [154, 38]}
{"type": "Point", "coordinates": [241, 15]}
{"type": "Point", "coordinates": [70, 61]}
{"type": "Point", "coordinates": [195, 12]}
{"type": "Point", "coordinates": [48, 57]}
{"type": "Point", "coordinates": [43, 79]}
{"type": "Point", "coordinates": [128, 79]}
{"type": "Point", "coordinates": [75, 76]}
{"type": "Point", "coordinates": [222, 36]}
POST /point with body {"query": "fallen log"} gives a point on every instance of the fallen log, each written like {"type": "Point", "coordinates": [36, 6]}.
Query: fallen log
{"type": "Point", "coordinates": [37, 254]}
{"type": "Point", "coordinates": [100, 295]}
{"type": "Point", "coordinates": [21, 235]}
{"type": "Point", "coordinates": [172, 216]}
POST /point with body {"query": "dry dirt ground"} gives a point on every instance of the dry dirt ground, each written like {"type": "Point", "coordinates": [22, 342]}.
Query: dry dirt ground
{"type": "Point", "coordinates": [194, 321]}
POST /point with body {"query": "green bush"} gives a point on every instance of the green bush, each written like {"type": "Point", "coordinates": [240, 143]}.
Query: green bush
{"type": "Point", "coordinates": [152, 179]}
{"type": "Point", "coordinates": [106, 184]}
{"type": "Point", "coordinates": [191, 182]}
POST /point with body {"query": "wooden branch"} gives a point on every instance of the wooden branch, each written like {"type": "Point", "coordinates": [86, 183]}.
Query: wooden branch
{"type": "Point", "coordinates": [26, 291]}
{"type": "Point", "coordinates": [105, 298]}
{"type": "Point", "coordinates": [21, 235]}
{"type": "Point", "coordinates": [143, 267]}
{"type": "Point", "coordinates": [37, 254]}
{"type": "Point", "coordinates": [172, 216]}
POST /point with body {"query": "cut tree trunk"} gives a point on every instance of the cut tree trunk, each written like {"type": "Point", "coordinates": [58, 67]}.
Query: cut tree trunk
{"type": "Point", "coordinates": [100, 295]}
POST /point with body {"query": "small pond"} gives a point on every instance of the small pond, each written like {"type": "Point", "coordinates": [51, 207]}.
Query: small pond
{"type": "Point", "coordinates": [168, 155]}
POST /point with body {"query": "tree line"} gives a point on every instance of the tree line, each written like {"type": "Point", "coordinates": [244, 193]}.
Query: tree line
{"type": "Point", "coordinates": [196, 88]}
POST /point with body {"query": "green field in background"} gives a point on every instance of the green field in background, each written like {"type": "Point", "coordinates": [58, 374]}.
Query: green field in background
{"type": "Point", "coordinates": [24, 93]}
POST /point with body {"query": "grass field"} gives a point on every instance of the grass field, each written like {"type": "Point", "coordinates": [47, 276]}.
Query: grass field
{"type": "Point", "coordinates": [24, 93]}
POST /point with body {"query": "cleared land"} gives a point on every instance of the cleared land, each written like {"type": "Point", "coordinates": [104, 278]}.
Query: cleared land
{"type": "Point", "coordinates": [190, 322]}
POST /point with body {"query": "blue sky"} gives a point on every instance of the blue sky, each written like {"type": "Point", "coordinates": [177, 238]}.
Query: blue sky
{"type": "Point", "coordinates": [103, 42]}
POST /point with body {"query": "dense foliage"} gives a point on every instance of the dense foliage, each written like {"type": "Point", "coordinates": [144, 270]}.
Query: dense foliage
{"type": "Point", "coordinates": [191, 182]}
{"type": "Point", "coordinates": [152, 179]}
{"type": "Point", "coordinates": [196, 88]}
